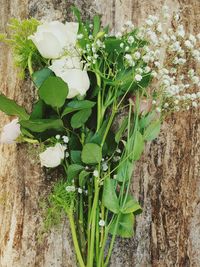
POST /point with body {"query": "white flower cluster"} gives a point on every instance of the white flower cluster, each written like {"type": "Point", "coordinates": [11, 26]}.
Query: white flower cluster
{"type": "Point", "coordinates": [180, 50]}
{"type": "Point", "coordinates": [57, 41]}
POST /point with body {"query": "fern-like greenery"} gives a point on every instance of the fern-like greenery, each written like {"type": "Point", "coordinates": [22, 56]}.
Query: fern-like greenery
{"type": "Point", "coordinates": [59, 203]}
{"type": "Point", "coordinates": [23, 48]}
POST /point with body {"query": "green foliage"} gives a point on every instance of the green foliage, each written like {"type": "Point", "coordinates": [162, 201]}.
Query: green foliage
{"type": "Point", "coordinates": [124, 227]}
{"type": "Point", "coordinates": [38, 111]}
{"type": "Point", "coordinates": [110, 199]}
{"type": "Point", "coordinates": [53, 91]}
{"type": "Point", "coordinates": [83, 178]}
{"type": "Point", "coordinates": [42, 125]}
{"type": "Point", "coordinates": [80, 118]}
{"type": "Point", "coordinates": [10, 107]}
{"type": "Point", "coordinates": [41, 75]}
{"type": "Point", "coordinates": [152, 131]}
{"type": "Point", "coordinates": [97, 25]}
{"type": "Point", "coordinates": [58, 203]}
{"type": "Point", "coordinates": [76, 105]}
{"type": "Point", "coordinates": [18, 33]}
{"type": "Point", "coordinates": [121, 130]}
{"type": "Point", "coordinates": [138, 146]}
{"type": "Point", "coordinates": [75, 156]}
{"type": "Point", "coordinates": [91, 153]}
{"type": "Point", "coordinates": [130, 206]}
{"type": "Point", "coordinates": [73, 170]}
{"type": "Point", "coordinates": [124, 171]}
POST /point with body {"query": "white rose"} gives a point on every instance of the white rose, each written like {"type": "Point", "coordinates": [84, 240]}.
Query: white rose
{"type": "Point", "coordinates": [10, 132]}
{"type": "Point", "coordinates": [51, 39]}
{"type": "Point", "coordinates": [70, 69]}
{"type": "Point", "coordinates": [52, 156]}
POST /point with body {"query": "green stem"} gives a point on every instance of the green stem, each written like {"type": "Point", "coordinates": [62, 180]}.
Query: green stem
{"type": "Point", "coordinates": [99, 102]}
{"type": "Point", "coordinates": [101, 254]}
{"type": "Point", "coordinates": [93, 224]}
{"type": "Point", "coordinates": [97, 234]}
{"type": "Point", "coordinates": [112, 241]}
{"type": "Point", "coordinates": [81, 225]}
{"type": "Point", "coordinates": [30, 68]}
{"type": "Point", "coordinates": [75, 240]}
{"type": "Point", "coordinates": [109, 124]}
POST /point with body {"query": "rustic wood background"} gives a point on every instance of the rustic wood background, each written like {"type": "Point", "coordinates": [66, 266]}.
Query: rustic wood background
{"type": "Point", "coordinates": [167, 180]}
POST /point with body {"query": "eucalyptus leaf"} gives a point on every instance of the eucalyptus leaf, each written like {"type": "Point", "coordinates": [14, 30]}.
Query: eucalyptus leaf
{"type": "Point", "coordinates": [53, 91]}
{"type": "Point", "coordinates": [110, 199]}
{"type": "Point", "coordinates": [11, 108]}
{"type": "Point", "coordinates": [91, 153]}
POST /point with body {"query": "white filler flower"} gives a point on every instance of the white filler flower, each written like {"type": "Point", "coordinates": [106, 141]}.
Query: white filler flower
{"type": "Point", "coordinates": [10, 132]}
{"type": "Point", "coordinates": [52, 38]}
{"type": "Point", "coordinates": [52, 156]}
{"type": "Point", "coordinates": [70, 69]}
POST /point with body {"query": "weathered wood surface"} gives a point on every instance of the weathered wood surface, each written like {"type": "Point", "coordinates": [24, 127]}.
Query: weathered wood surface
{"type": "Point", "coordinates": [167, 179]}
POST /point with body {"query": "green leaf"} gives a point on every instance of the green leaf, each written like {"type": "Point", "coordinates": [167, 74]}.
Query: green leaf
{"type": "Point", "coordinates": [112, 43]}
{"type": "Point", "coordinates": [82, 177]}
{"type": "Point", "coordinates": [97, 24]}
{"type": "Point", "coordinates": [42, 125]}
{"type": "Point", "coordinates": [76, 105]}
{"type": "Point", "coordinates": [75, 156]}
{"type": "Point", "coordinates": [121, 130]}
{"type": "Point", "coordinates": [110, 199]}
{"type": "Point", "coordinates": [77, 13]}
{"type": "Point", "coordinates": [38, 110]}
{"type": "Point", "coordinates": [138, 146]}
{"type": "Point", "coordinates": [145, 121]}
{"type": "Point", "coordinates": [152, 131]}
{"type": "Point", "coordinates": [73, 171]}
{"type": "Point", "coordinates": [41, 75]}
{"type": "Point", "coordinates": [11, 108]}
{"type": "Point", "coordinates": [80, 118]}
{"type": "Point", "coordinates": [91, 153]}
{"type": "Point", "coordinates": [53, 91]}
{"type": "Point", "coordinates": [131, 205]}
{"type": "Point", "coordinates": [125, 225]}
{"type": "Point", "coordinates": [124, 171]}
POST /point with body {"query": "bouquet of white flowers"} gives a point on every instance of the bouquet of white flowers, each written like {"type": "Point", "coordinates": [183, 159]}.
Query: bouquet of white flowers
{"type": "Point", "coordinates": [97, 104]}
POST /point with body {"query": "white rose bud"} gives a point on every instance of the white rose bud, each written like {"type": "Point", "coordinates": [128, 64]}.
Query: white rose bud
{"type": "Point", "coordinates": [52, 156]}
{"type": "Point", "coordinates": [10, 132]}
{"type": "Point", "coordinates": [70, 69]}
{"type": "Point", "coordinates": [51, 39]}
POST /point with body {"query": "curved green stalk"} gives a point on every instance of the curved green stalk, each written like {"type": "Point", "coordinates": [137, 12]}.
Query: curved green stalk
{"type": "Point", "coordinates": [30, 68]}
{"type": "Point", "coordinates": [75, 240]}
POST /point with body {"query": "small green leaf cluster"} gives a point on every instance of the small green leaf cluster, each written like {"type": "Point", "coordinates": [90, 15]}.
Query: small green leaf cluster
{"type": "Point", "coordinates": [23, 48]}
{"type": "Point", "coordinates": [60, 202]}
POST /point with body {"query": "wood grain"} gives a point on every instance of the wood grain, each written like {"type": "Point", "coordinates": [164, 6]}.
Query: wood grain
{"type": "Point", "coordinates": [167, 179]}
